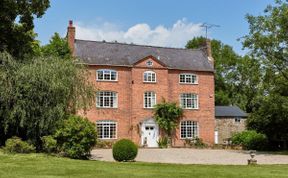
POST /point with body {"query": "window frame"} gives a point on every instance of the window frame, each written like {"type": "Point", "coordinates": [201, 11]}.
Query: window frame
{"type": "Point", "coordinates": [186, 107]}
{"type": "Point", "coordinates": [151, 97]}
{"type": "Point", "coordinates": [191, 126]}
{"type": "Point", "coordinates": [151, 73]}
{"type": "Point", "coordinates": [149, 65]}
{"type": "Point", "coordinates": [237, 120]}
{"type": "Point", "coordinates": [185, 78]}
{"type": "Point", "coordinates": [110, 122]}
{"type": "Point", "coordinates": [110, 73]}
{"type": "Point", "coordinates": [109, 101]}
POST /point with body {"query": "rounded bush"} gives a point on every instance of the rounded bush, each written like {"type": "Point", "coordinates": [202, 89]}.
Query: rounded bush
{"type": "Point", "coordinates": [16, 145]}
{"type": "Point", "coordinates": [250, 140]}
{"type": "Point", "coordinates": [124, 150]}
{"type": "Point", "coordinates": [76, 137]}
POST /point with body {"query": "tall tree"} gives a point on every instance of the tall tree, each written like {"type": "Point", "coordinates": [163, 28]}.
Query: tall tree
{"type": "Point", "coordinates": [36, 95]}
{"type": "Point", "coordinates": [267, 41]}
{"type": "Point", "coordinates": [16, 25]}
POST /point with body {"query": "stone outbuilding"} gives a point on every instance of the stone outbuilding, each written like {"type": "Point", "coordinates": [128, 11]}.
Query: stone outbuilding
{"type": "Point", "coordinates": [229, 120]}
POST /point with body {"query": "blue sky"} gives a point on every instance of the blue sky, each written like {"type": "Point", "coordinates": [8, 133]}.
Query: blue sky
{"type": "Point", "coordinates": [152, 22]}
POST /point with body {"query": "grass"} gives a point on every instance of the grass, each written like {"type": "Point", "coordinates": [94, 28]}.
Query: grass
{"type": "Point", "coordinates": [40, 165]}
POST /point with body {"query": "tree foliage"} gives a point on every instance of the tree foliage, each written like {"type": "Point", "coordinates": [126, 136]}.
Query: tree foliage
{"type": "Point", "coordinates": [167, 116]}
{"type": "Point", "coordinates": [250, 140]}
{"type": "Point", "coordinates": [57, 47]}
{"type": "Point", "coordinates": [35, 96]}
{"type": "Point", "coordinates": [267, 42]}
{"type": "Point", "coordinates": [271, 118]}
{"type": "Point", "coordinates": [16, 25]}
{"type": "Point", "coordinates": [268, 36]}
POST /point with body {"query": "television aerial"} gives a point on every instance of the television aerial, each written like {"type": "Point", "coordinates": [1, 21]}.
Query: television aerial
{"type": "Point", "coordinates": [208, 26]}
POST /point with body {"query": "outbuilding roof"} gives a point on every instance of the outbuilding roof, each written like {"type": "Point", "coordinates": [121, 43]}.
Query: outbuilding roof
{"type": "Point", "coordinates": [229, 111]}
{"type": "Point", "coordinates": [122, 54]}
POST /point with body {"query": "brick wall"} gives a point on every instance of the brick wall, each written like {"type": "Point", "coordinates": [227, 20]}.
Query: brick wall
{"type": "Point", "coordinates": [205, 114]}
{"type": "Point", "coordinates": [139, 113]}
{"type": "Point", "coordinates": [130, 88]}
{"type": "Point", "coordinates": [121, 114]}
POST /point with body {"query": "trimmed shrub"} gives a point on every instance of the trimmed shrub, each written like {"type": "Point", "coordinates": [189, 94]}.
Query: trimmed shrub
{"type": "Point", "coordinates": [49, 144]}
{"type": "Point", "coordinates": [76, 138]}
{"type": "Point", "coordinates": [124, 150]}
{"type": "Point", "coordinates": [163, 142]}
{"type": "Point", "coordinates": [250, 140]}
{"type": "Point", "coordinates": [16, 145]}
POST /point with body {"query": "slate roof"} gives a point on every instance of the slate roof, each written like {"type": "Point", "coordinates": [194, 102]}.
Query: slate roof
{"type": "Point", "coordinates": [122, 54]}
{"type": "Point", "coordinates": [229, 111]}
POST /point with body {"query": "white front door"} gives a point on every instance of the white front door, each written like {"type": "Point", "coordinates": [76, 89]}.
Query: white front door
{"type": "Point", "coordinates": [150, 132]}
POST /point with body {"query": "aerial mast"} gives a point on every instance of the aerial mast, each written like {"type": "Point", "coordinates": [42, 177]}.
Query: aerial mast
{"type": "Point", "coordinates": [208, 26]}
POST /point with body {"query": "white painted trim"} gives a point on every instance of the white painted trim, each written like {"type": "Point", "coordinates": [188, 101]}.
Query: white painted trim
{"type": "Point", "coordinates": [105, 80]}
{"type": "Point", "coordinates": [192, 74]}
{"type": "Point", "coordinates": [116, 129]}
{"type": "Point", "coordinates": [190, 108]}
{"type": "Point", "coordinates": [107, 107]}
{"type": "Point", "coordinates": [151, 103]}
{"type": "Point", "coordinates": [149, 60]}
{"type": "Point", "coordinates": [149, 72]}
{"type": "Point", "coordinates": [198, 129]}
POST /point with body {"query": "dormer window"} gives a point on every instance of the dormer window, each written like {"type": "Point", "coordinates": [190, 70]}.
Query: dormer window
{"type": "Point", "coordinates": [106, 75]}
{"type": "Point", "coordinates": [149, 63]}
{"type": "Point", "coordinates": [188, 79]}
{"type": "Point", "coordinates": [150, 76]}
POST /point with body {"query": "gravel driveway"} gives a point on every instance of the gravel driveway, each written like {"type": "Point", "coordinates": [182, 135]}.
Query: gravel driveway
{"type": "Point", "coordinates": [195, 156]}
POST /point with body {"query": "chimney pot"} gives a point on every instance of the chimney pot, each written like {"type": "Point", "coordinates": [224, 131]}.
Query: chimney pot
{"type": "Point", "coordinates": [70, 23]}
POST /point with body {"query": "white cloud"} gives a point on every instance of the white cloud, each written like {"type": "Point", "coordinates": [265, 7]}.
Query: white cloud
{"type": "Point", "coordinates": [175, 36]}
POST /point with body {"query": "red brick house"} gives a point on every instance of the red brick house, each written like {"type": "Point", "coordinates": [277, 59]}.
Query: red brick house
{"type": "Point", "coordinates": [132, 78]}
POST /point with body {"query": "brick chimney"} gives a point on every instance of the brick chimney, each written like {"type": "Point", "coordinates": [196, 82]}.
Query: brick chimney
{"type": "Point", "coordinates": [71, 36]}
{"type": "Point", "coordinates": [208, 51]}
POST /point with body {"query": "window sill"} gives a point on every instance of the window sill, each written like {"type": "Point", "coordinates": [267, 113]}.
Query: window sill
{"type": "Point", "coordinates": [149, 82]}
{"type": "Point", "coordinates": [113, 81]}
{"type": "Point", "coordinates": [189, 138]}
{"type": "Point", "coordinates": [190, 108]}
{"type": "Point", "coordinates": [148, 108]}
{"type": "Point", "coordinates": [105, 108]}
{"type": "Point", "coordinates": [188, 83]}
{"type": "Point", "coordinates": [107, 138]}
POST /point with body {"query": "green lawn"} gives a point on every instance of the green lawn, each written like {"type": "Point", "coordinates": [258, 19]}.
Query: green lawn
{"type": "Point", "coordinates": [39, 165]}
